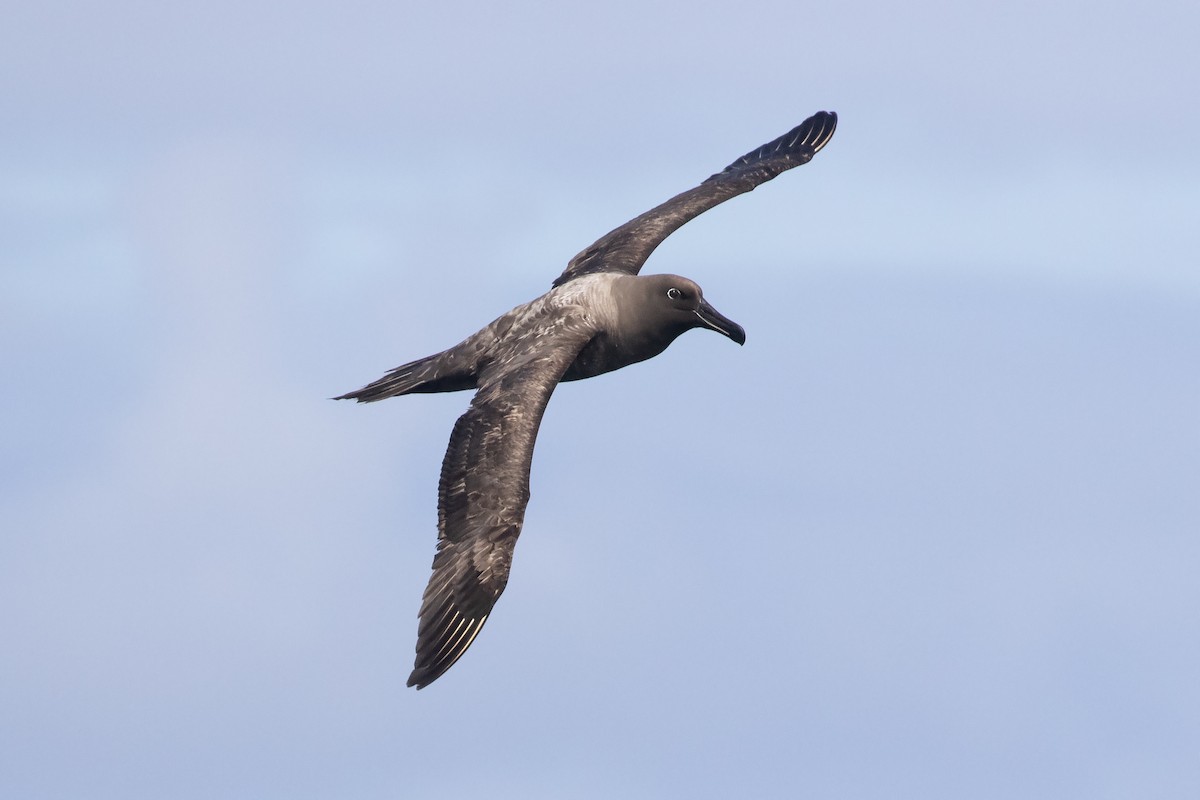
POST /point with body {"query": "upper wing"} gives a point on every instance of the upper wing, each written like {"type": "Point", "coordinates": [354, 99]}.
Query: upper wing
{"type": "Point", "coordinates": [627, 248]}
{"type": "Point", "coordinates": [483, 492]}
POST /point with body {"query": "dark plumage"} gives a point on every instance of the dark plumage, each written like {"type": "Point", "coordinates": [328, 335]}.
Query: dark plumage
{"type": "Point", "coordinates": [599, 316]}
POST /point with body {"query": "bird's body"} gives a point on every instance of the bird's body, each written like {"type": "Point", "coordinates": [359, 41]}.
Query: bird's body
{"type": "Point", "coordinates": [599, 316]}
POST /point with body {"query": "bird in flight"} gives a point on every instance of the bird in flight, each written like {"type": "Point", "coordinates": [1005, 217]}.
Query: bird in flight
{"type": "Point", "coordinates": [599, 315]}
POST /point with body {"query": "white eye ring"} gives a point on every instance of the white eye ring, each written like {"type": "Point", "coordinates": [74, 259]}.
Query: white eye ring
{"type": "Point", "coordinates": [674, 293]}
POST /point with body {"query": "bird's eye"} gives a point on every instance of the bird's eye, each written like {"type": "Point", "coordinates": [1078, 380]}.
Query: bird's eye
{"type": "Point", "coordinates": [674, 293]}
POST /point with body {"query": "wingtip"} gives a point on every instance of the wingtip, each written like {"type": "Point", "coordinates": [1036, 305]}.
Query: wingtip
{"type": "Point", "coordinates": [814, 133]}
{"type": "Point", "coordinates": [423, 675]}
{"type": "Point", "coordinates": [829, 120]}
{"type": "Point", "coordinates": [794, 148]}
{"type": "Point", "coordinates": [445, 645]}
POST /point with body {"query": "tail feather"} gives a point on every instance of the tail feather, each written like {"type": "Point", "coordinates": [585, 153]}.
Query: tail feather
{"type": "Point", "coordinates": [442, 372]}
{"type": "Point", "coordinates": [398, 381]}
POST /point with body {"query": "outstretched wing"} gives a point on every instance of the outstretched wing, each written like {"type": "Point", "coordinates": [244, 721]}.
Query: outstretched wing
{"type": "Point", "coordinates": [627, 248]}
{"type": "Point", "coordinates": [483, 492]}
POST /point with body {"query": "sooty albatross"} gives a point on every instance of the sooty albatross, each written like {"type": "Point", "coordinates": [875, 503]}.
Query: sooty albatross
{"type": "Point", "coordinates": [600, 315]}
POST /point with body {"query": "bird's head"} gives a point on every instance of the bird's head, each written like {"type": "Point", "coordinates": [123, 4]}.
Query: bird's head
{"type": "Point", "coordinates": [678, 305]}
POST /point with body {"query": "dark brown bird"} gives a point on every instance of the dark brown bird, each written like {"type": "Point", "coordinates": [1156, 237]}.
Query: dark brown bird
{"type": "Point", "coordinates": [599, 316]}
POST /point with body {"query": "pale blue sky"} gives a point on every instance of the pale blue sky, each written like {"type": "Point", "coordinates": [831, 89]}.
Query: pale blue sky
{"type": "Point", "coordinates": [933, 532]}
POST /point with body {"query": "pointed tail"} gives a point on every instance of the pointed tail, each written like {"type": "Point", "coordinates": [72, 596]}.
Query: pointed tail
{"type": "Point", "coordinates": [443, 372]}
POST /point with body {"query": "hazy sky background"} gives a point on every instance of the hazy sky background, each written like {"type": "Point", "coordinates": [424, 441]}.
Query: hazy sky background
{"type": "Point", "coordinates": [933, 532]}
